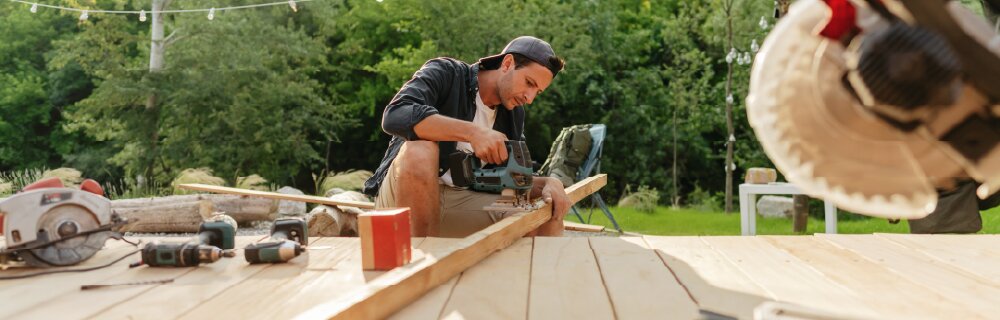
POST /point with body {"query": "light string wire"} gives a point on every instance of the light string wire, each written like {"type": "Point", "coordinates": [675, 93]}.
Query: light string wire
{"type": "Point", "coordinates": [288, 3]}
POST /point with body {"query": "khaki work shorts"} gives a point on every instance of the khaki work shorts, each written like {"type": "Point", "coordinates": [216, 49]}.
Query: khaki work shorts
{"type": "Point", "coordinates": [462, 211]}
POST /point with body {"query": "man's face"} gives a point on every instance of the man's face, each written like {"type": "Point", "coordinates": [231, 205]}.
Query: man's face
{"type": "Point", "coordinates": [518, 87]}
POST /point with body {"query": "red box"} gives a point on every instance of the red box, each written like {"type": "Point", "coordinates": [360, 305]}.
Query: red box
{"type": "Point", "coordinates": [385, 238]}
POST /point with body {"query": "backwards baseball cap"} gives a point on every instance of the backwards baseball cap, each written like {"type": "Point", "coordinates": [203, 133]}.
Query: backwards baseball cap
{"type": "Point", "coordinates": [530, 47]}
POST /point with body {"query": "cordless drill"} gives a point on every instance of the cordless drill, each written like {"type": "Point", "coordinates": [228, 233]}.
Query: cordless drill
{"type": "Point", "coordinates": [215, 240]}
{"type": "Point", "coordinates": [289, 236]}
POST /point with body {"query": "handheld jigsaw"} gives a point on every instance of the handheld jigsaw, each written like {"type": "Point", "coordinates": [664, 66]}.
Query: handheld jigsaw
{"type": "Point", "coordinates": [513, 180]}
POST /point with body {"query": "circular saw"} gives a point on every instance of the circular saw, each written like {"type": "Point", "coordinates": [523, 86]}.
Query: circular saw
{"type": "Point", "coordinates": [47, 224]}
{"type": "Point", "coordinates": [877, 105]}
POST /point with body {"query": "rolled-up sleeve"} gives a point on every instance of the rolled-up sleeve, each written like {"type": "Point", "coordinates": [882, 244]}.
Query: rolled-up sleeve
{"type": "Point", "coordinates": [416, 99]}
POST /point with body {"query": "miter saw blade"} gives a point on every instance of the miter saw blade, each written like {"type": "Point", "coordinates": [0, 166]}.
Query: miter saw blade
{"type": "Point", "coordinates": [830, 145]}
{"type": "Point", "coordinates": [61, 225]}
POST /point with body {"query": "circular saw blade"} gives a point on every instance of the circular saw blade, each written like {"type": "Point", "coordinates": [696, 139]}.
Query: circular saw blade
{"type": "Point", "coordinates": [820, 138]}
{"type": "Point", "coordinates": [61, 224]}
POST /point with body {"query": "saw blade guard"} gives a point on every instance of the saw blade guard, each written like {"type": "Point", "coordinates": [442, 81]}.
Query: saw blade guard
{"type": "Point", "coordinates": [41, 216]}
{"type": "Point", "coordinates": [827, 142]}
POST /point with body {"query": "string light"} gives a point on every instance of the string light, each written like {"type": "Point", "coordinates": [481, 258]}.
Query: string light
{"type": "Point", "coordinates": [142, 16]}
{"type": "Point", "coordinates": [84, 15]}
{"type": "Point", "coordinates": [291, 3]}
{"type": "Point", "coordinates": [34, 7]}
{"type": "Point", "coordinates": [731, 55]}
{"type": "Point", "coordinates": [753, 46]}
{"type": "Point", "coordinates": [763, 23]}
{"type": "Point", "coordinates": [211, 14]}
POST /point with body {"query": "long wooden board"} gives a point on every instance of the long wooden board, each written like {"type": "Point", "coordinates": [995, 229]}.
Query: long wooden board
{"type": "Point", "coordinates": [275, 195]}
{"type": "Point", "coordinates": [871, 281]}
{"type": "Point", "coordinates": [639, 285]}
{"type": "Point", "coordinates": [693, 263]}
{"type": "Point", "coordinates": [566, 282]}
{"type": "Point", "coordinates": [397, 288]}
{"type": "Point", "coordinates": [574, 226]}
{"type": "Point", "coordinates": [496, 288]}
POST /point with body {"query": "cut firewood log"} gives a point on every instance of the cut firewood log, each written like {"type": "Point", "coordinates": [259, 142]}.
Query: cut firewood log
{"type": "Point", "coordinates": [243, 209]}
{"type": "Point", "coordinates": [335, 221]}
{"type": "Point", "coordinates": [165, 217]}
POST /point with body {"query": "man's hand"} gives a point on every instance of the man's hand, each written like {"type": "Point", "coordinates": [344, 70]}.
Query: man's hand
{"type": "Point", "coordinates": [554, 193]}
{"type": "Point", "coordinates": [488, 144]}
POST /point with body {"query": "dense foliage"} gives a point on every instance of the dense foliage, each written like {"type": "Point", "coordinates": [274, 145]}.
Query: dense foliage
{"type": "Point", "coordinates": [293, 95]}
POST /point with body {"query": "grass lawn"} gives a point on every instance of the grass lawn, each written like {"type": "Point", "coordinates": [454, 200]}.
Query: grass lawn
{"type": "Point", "coordinates": [687, 222]}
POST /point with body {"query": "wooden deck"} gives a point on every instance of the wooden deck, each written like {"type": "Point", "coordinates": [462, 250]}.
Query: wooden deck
{"type": "Point", "coordinates": [866, 276]}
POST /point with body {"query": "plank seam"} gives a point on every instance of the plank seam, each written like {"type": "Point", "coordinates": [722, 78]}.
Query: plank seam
{"type": "Point", "coordinates": [531, 267]}
{"type": "Point", "coordinates": [451, 291]}
{"type": "Point", "coordinates": [686, 290]}
{"type": "Point", "coordinates": [604, 282]}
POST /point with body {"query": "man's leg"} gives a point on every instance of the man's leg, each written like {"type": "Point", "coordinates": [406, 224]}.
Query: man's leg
{"type": "Point", "coordinates": [412, 181]}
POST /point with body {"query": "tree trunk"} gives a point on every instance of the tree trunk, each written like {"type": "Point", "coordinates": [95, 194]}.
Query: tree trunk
{"type": "Point", "coordinates": [729, 111]}
{"type": "Point", "coordinates": [675, 201]}
{"type": "Point", "coordinates": [800, 215]}
{"type": "Point", "coordinates": [156, 62]}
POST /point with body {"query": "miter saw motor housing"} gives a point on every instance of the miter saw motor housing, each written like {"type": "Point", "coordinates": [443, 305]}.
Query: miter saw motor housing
{"type": "Point", "coordinates": [47, 224]}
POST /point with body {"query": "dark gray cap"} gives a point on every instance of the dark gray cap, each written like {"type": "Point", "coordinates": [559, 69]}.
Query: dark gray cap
{"type": "Point", "coordinates": [530, 47]}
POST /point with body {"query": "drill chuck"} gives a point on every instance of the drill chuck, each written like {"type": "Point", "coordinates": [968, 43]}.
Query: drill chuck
{"type": "Point", "coordinates": [272, 252]}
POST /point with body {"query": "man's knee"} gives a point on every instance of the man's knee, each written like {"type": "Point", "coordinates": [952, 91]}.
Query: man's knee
{"type": "Point", "coordinates": [418, 160]}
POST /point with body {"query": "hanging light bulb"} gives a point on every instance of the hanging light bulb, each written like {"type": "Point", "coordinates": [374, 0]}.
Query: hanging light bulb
{"type": "Point", "coordinates": [731, 55]}
{"type": "Point", "coordinates": [34, 8]}
{"type": "Point", "coordinates": [753, 46]}
{"type": "Point", "coordinates": [142, 16]}
{"type": "Point", "coordinates": [746, 58]}
{"type": "Point", "coordinates": [291, 3]}
{"type": "Point", "coordinates": [729, 99]}
{"type": "Point", "coordinates": [211, 14]}
{"type": "Point", "coordinates": [763, 23]}
{"type": "Point", "coordinates": [84, 15]}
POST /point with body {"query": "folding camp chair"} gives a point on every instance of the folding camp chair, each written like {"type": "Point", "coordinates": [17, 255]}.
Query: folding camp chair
{"type": "Point", "coordinates": [593, 165]}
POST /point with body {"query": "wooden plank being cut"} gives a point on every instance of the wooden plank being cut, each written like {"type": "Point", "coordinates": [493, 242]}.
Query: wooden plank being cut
{"type": "Point", "coordinates": [78, 304]}
{"type": "Point", "coordinates": [401, 286]}
{"type": "Point", "coordinates": [275, 195]}
{"type": "Point", "coordinates": [788, 278]}
{"type": "Point", "coordinates": [285, 288]}
{"type": "Point", "coordinates": [709, 277]}
{"type": "Point", "coordinates": [566, 282]}
{"type": "Point", "coordinates": [496, 288]}
{"type": "Point", "coordinates": [23, 294]}
{"type": "Point", "coordinates": [888, 293]}
{"type": "Point", "coordinates": [429, 306]}
{"type": "Point", "coordinates": [924, 270]}
{"type": "Point", "coordinates": [975, 254]}
{"type": "Point", "coordinates": [569, 225]}
{"type": "Point", "coordinates": [639, 285]}
{"type": "Point", "coordinates": [191, 289]}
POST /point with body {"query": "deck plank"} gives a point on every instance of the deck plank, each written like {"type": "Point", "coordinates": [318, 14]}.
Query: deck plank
{"type": "Point", "coordinates": [566, 282]}
{"type": "Point", "coordinates": [189, 290]}
{"type": "Point", "coordinates": [83, 304]}
{"type": "Point", "coordinates": [496, 288]}
{"type": "Point", "coordinates": [287, 288]}
{"type": "Point", "coordinates": [976, 254]}
{"type": "Point", "coordinates": [788, 278]}
{"type": "Point", "coordinates": [431, 304]}
{"type": "Point", "coordinates": [888, 293]}
{"type": "Point", "coordinates": [709, 277]}
{"type": "Point", "coordinates": [923, 270]}
{"type": "Point", "coordinates": [638, 283]}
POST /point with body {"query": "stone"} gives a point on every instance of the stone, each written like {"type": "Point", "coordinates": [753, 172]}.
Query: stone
{"type": "Point", "coordinates": [288, 208]}
{"type": "Point", "coordinates": [775, 207]}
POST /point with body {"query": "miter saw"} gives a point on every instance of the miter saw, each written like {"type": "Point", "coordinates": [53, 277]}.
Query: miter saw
{"type": "Point", "coordinates": [512, 180]}
{"type": "Point", "coordinates": [877, 105]}
{"type": "Point", "coordinates": [47, 224]}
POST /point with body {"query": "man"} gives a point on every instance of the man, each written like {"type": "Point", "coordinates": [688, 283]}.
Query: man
{"type": "Point", "coordinates": [449, 105]}
{"type": "Point", "coordinates": [957, 210]}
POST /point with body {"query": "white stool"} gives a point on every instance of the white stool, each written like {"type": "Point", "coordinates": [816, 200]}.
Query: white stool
{"type": "Point", "coordinates": [748, 205]}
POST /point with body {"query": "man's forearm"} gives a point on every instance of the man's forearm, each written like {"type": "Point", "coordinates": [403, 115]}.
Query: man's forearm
{"type": "Point", "coordinates": [443, 128]}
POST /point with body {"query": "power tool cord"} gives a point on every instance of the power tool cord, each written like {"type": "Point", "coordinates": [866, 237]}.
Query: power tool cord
{"type": "Point", "coordinates": [29, 275]}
